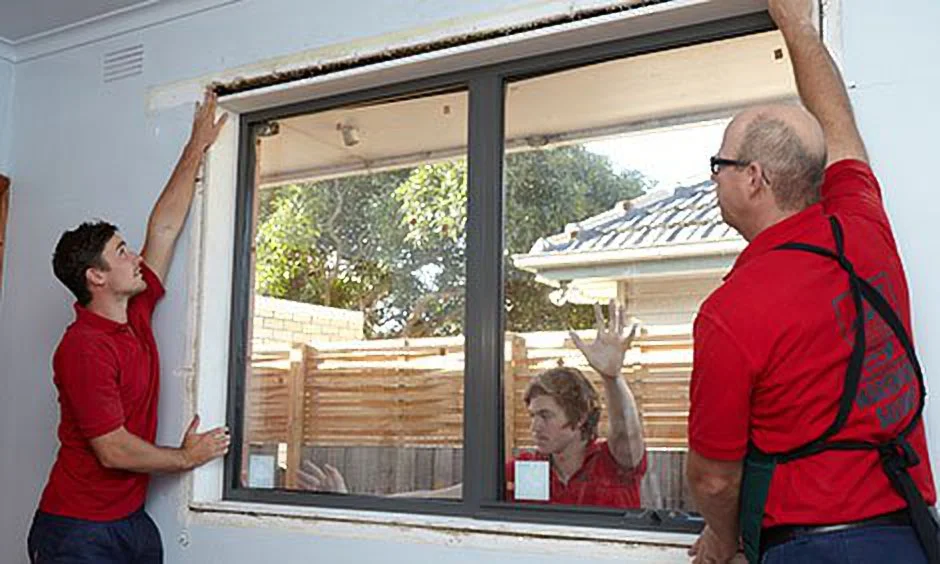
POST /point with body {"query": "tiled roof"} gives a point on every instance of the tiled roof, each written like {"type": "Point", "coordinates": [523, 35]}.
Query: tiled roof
{"type": "Point", "coordinates": [688, 214]}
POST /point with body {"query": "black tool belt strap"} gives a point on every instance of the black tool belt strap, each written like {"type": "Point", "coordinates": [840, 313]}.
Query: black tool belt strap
{"type": "Point", "coordinates": [897, 455]}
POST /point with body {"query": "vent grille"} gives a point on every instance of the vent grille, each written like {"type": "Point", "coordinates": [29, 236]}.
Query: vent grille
{"type": "Point", "coordinates": [123, 63]}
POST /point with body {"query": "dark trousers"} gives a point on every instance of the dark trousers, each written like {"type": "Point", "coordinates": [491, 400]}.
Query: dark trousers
{"type": "Point", "coordinates": [134, 539]}
{"type": "Point", "coordinates": [885, 544]}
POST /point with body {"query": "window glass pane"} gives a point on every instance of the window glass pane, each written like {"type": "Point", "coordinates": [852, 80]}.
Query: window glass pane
{"type": "Point", "coordinates": [355, 378]}
{"type": "Point", "coordinates": [608, 197]}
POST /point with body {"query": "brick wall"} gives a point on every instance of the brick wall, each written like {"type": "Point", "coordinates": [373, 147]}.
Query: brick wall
{"type": "Point", "coordinates": [283, 322]}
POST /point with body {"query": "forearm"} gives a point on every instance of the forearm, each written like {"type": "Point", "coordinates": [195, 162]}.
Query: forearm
{"type": "Point", "coordinates": [170, 211]}
{"type": "Point", "coordinates": [822, 89]}
{"type": "Point", "coordinates": [716, 496]}
{"type": "Point", "coordinates": [626, 428]}
{"type": "Point", "coordinates": [122, 450]}
{"type": "Point", "coordinates": [720, 513]}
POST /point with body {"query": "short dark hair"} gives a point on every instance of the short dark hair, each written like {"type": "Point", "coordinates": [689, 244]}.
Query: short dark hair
{"type": "Point", "coordinates": [796, 170]}
{"type": "Point", "coordinates": [77, 251]}
{"type": "Point", "coordinates": [573, 392]}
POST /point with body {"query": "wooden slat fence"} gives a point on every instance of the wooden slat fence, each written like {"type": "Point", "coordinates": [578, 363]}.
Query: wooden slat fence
{"type": "Point", "coordinates": [361, 400]}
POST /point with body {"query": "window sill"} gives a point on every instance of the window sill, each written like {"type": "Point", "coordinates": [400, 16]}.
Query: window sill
{"type": "Point", "coordinates": [450, 531]}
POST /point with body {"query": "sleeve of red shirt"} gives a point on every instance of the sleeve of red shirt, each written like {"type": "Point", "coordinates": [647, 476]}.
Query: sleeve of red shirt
{"type": "Point", "coordinates": [89, 383]}
{"type": "Point", "coordinates": [146, 301]}
{"type": "Point", "coordinates": [720, 392]}
{"type": "Point", "coordinates": [850, 187]}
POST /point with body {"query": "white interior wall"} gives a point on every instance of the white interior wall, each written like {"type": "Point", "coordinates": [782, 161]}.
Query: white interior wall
{"type": "Point", "coordinates": [85, 149]}
{"type": "Point", "coordinates": [6, 114]}
{"type": "Point", "coordinates": [890, 62]}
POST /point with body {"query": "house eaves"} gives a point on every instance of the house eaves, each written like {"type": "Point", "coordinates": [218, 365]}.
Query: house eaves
{"type": "Point", "coordinates": [538, 263]}
{"type": "Point", "coordinates": [681, 230]}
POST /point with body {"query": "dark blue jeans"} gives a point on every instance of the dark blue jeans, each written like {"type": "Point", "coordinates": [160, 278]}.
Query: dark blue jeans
{"type": "Point", "coordinates": [864, 545]}
{"type": "Point", "coordinates": [63, 540]}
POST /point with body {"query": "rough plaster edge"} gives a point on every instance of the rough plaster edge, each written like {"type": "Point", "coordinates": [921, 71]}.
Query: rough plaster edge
{"type": "Point", "coordinates": [831, 22]}
{"type": "Point", "coordinates": [219, 177]}
{"type": "Point", "coordinates": [431, 45]}
{"type": "Point", "coordinates": [192, 335]}
{"type": "Point", "coordinates": [832, 34]}
{"type": "Point", "coordinates": [7, 118]}
{"type": "Point", "coordinates": [560, 16]}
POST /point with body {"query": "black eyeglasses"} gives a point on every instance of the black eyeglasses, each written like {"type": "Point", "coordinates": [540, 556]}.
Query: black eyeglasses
{"type": "Point", "coordinates": [718, 162]}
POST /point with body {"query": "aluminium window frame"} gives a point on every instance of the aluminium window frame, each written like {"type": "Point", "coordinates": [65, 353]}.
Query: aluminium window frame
{"type": "Point", "coordinates": [483, 465]}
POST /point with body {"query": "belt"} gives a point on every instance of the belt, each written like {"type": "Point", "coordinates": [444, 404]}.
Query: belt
{"type": "Point", "coordinates": [780, 534]}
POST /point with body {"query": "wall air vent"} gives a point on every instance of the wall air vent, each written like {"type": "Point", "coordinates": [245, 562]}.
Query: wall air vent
{"type": "Point", "coordinates": [123, 63]}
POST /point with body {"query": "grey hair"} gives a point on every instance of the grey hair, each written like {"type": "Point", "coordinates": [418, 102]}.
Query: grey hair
{"type": "Point", "coordinates": [795, 171]}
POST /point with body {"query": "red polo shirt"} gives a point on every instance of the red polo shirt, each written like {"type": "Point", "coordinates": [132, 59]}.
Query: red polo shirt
{"type": "Point", "coordinates": [107, 375]}
{"type": "Point", "coordinates": [599, 481]}
{"type": "Point", "coordinates": [771, 349]}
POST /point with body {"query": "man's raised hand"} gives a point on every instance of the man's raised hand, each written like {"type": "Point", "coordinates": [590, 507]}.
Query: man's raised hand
{"type": "Point", "coordinates": [790, 12]}
{"type": "Point", "coordinates": [605, 354]}
{"type": "Point", "coordinates": [205, 127]}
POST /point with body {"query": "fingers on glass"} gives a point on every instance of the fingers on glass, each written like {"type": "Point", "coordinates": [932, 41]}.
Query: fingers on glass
{"type": "Point", "coordinates": [599, 318]}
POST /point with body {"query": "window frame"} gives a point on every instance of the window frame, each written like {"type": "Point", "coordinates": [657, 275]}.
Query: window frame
{"type": "Point", "coordinates": [483, 465]}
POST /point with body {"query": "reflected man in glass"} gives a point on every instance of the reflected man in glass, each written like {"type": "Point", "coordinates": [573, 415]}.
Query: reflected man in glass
{"type": "Point", "coordinates": [577, 466]}
{"type": "Point", "coordinates": [570, 464]}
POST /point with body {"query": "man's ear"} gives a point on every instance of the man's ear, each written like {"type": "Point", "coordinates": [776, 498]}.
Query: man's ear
{"type": "Point", "coordinates": [94, 277]}
{"type": "Point", "coordinates": [756, 180]}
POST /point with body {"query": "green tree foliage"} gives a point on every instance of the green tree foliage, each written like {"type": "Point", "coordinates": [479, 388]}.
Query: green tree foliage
{"type": "Point", "coordinates": [393, 244]}
{"type": "Point", "coordinates": [545, 191]}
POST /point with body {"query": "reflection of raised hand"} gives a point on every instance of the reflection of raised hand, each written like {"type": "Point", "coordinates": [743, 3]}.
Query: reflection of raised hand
{"type": "Point", "coordinates": [326, 479]}
{"type": "Point", "coordinates": [605, 354]}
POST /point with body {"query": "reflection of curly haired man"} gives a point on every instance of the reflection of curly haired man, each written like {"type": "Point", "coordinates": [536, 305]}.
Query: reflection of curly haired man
{"type": "Point", "coordinates": [574, 394]}
{"type": "Point", "coordinates": [565, 410]}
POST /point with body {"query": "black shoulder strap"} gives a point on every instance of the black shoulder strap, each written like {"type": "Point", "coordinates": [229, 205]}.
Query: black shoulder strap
{"type": "Point", "coordinates": [861, 290]}
{"type": "Point", "coordinates": [897, 455]}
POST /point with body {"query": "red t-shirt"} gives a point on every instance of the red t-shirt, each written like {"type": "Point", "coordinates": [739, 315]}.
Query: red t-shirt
{"type": "Point", "coordinates": [599, 481]}
{"type": "Point", "coordinates": [107, 375]}
{"type": "Point", "coordinates": [771, 349]}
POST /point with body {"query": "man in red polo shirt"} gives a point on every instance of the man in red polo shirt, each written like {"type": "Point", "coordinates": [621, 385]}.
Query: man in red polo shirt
{"type": "Point", "coordinates": [778, 343]}
{"type": "Point", "coordinates": [107, 372]}
{"type": "Point", "coordinates": [570, 465]}
{"type": "Point", "coordinates": [577, 467]}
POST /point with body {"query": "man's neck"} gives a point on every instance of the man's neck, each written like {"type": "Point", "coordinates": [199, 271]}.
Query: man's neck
{"type": "Point", "coordinates": [766, 221]}
{"type": "Point", "coordinates": [109, 307]}
{"type": "Point", "coordinates": [569, 460]}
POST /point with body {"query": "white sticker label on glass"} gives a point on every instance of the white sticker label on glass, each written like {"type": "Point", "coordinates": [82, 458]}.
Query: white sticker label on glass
{"type": "Point", "coordinates": [532, 482]}
{"type": "Point", "coordinates": [261, 471]}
